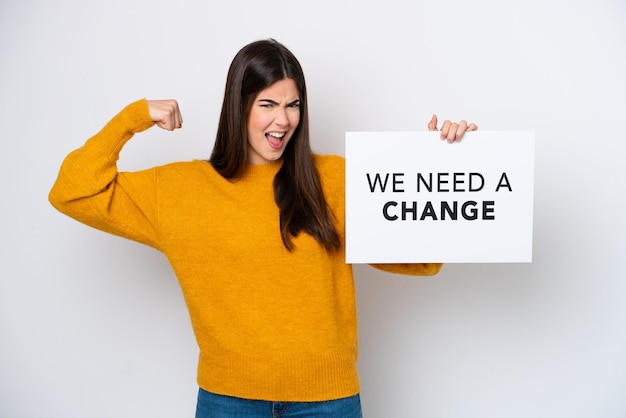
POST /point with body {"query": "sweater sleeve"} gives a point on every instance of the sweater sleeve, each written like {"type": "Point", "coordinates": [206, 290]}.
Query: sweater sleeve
{"type": "Point", "coordinates": [91, 190]}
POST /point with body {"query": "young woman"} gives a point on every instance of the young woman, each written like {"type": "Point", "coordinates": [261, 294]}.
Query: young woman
{"type": "Point", "coordinates": [255, 237]}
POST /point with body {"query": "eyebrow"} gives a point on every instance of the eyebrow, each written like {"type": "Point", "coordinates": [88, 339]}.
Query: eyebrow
{"type": "Point", "coordinates": [276, 103]}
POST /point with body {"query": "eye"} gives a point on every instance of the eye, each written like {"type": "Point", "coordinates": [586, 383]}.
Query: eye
{"type": "Point", "coordinates": [295, 104]}
{"type": "Point", "coordinates": [266, 103]}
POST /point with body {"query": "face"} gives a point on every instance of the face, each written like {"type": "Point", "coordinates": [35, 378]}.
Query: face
{"type": "Point", "coordinates": [274, 117]}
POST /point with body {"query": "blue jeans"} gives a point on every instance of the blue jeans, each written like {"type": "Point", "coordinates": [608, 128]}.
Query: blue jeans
{"type": "Point", "coordinates": [211, 405]}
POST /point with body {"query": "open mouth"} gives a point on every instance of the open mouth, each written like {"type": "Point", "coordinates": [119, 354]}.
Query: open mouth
{"type": "Point", "coordinates": [275, 139]}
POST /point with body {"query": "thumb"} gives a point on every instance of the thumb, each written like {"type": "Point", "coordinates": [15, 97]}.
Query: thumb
{"type": "Point", "coordinates": [432, 125]}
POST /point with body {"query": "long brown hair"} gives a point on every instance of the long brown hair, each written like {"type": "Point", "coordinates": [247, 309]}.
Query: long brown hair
{"type": "Point", "coordinates": [297, 186]}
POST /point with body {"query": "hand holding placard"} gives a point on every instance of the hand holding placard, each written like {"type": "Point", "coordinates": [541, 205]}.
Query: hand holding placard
{"type": "Point", "coordinates": [451, 131]}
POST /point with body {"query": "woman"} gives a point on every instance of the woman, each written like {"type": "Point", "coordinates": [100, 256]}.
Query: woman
{"type": "Point", "coordinates": [255, 237]}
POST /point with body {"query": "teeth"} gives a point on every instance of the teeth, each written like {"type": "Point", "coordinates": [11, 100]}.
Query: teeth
{"type": "Point", "coordinates": [276, 134]}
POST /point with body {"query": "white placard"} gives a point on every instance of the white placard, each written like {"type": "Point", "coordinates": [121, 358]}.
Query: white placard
{"type": "Point", "coordinates": [411, 197]}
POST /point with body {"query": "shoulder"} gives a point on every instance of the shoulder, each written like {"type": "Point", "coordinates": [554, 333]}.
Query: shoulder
{"type": "Point", "coordinates": [330, 165]}
{"type": "Point", "coordinates": [186, 171]}
{"type": "Point", "coordinates": [185, 166]}
{"type": "Point", "coordinates": [331, 169]}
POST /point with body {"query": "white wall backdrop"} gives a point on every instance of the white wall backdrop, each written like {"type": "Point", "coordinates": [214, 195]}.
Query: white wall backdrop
{"type": "Point", "coordinates": [94, 326]}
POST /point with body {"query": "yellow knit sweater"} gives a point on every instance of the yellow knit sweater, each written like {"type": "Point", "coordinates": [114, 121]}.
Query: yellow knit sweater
{"type": "Point", "coordinates": [271, 324]}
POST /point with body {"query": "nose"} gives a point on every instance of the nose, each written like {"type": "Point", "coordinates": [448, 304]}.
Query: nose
{"type": "Point", "coordinates": [281, 117]}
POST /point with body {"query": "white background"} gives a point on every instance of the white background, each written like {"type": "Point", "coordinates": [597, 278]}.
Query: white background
{"type": "Point", "coordinates": [94, 326]}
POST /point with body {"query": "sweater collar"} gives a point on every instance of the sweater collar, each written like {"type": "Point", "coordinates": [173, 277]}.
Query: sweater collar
{"type": "Point", "coordinates": [262, 170]}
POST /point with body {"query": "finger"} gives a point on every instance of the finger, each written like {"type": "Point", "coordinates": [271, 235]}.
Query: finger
{"type": "Point", "coordinates": [169, 122]}
{"type": "Point", "coordinates": [173, 119]}
{"type": "Point", "coordinates": [178, 117]}
{"type": "Point", "coordinates": [460, 131]}
{"type": "Point", "coordinates": [171, 115]}
{"type": "Point", "coordinates": [472, 127]}
{"type": "Point", "coordinates": [432, 125]}
{"type": "Point", "coordinates": [445, 129]}
{"type": "Point", "coordinates": [177, 120]}
{"type": "Point", "coordinates": [451, 135]}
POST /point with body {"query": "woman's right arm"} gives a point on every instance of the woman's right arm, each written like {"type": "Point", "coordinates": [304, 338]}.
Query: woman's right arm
{"type": "Point", "coordinates": [91, 190]}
